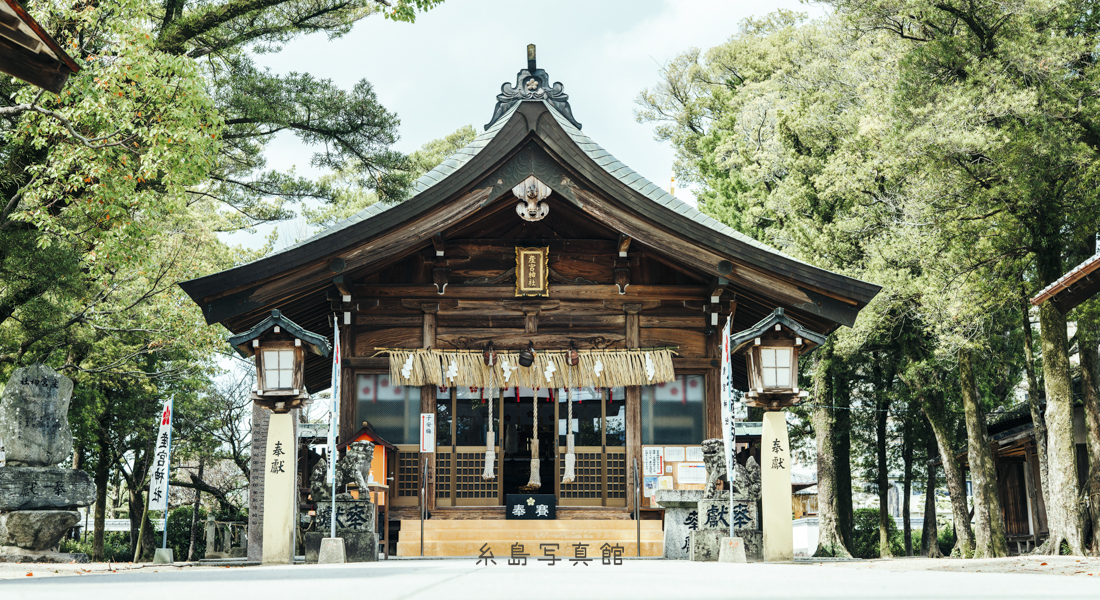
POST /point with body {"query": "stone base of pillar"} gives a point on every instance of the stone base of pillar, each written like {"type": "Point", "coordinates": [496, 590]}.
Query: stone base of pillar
{"type": "Point", "coordinates": [331, 552]}
{"type": "Point", "coordinates": [163, 556]}
{"type": "Point", "coordinates": [732, 550]}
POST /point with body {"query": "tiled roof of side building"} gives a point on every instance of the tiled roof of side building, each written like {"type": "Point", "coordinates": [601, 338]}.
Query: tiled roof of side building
{"type": "Point", "coordinates": [1085, 268]}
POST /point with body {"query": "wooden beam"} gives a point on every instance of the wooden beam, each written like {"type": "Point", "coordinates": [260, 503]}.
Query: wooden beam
{"type": "Point", "coordinates": [558, 292]}
{"type": "Point", "coordinates": [526, 306]}
{"type": "Point", "coordinates": [430, 305]}
{"type": "Point", "coordinates": [694, 363]}
{"type": "Point", "coordinates": [367, 362]}
{"type": "Point", "coordinates": [438, 244]}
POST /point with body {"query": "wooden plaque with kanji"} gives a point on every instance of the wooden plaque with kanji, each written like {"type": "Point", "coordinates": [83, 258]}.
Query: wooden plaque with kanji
{"type": "Point", "coordinates": [532, 271]}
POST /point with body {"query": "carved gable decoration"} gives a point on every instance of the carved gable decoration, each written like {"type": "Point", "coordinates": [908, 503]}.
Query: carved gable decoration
{"type": "Point", "coordinates": [532, 271]}
{"type": "Point", "coordinates": [532, 192]}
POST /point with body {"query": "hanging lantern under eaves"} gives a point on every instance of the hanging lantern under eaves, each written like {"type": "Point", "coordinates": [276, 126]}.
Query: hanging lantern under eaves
{"type": "Point", "coordinates": [771, 349]}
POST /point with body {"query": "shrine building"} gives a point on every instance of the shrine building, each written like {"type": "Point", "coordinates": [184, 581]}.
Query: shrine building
{"type": "Point", "coordinates": [529, 264]}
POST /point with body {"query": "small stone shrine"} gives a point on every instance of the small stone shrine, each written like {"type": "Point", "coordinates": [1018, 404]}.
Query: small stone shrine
{"type": "Point", "coordinates": [697, 520]}
{"type": "Point", "coordinates": [225, 539]}
{"type": "Point", "coordinates": [38, 499]}
{"type": "Point", "coordinates": [355, 521]}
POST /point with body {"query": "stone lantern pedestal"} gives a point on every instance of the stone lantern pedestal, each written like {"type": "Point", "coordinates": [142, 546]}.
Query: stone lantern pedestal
{"type": "Point", "coordinates": [775, 488]}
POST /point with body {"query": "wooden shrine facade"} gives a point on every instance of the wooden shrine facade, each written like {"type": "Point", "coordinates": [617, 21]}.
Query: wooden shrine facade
{"type": "Point", "coordinates": [627, 266]}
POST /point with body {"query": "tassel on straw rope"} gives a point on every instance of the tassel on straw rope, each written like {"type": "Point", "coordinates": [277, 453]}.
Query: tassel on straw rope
{"type": "Point", "coordinates": [570, 458]}
{"type": "Point", "coordinates": [536, 481]}
{"type": "Point", "coordinates": [490, 439]}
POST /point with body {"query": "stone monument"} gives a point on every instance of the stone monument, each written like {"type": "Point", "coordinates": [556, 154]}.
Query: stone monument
{"type": "Point", "coordinates": [38, 499]}
{"type": "Point", "coordinates": [697, 520]}
{"type": "Point", "coordinates": [355, 521]}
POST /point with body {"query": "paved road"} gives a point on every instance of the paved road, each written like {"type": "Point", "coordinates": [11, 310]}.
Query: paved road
{"type": "Point", "coordinates": [463, 580]}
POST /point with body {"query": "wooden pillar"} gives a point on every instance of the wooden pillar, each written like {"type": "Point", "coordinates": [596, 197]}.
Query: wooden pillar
{"type": "Point", "coordinates": [348, 426]}
{"type": "Point", "coordinates": [1032, 491]}
{"type": "Point", "coordinates": [633, 407]}
{"type": "Point", "coordinates": [427, 397]}
{"type": "Point", "coordinates": [712, 426]}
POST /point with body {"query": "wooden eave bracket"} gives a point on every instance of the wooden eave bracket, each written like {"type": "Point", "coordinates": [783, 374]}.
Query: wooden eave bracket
{"type": "Point", "coordinates": [441, 274]}
{"type": "Point", "coordinates": [439, 244]}
{"type": "Point", "coordinates": [717, 286]}
{"type": "Point", "coordinates": [342, 287]}
{"type": "Point", "coordinates": [624, 244]}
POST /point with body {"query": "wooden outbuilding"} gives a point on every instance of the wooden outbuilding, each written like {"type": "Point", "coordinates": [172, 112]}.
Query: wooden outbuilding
{"type": "Point", "coordinates": [29, 53]}
{"type": "Point", "coordinates": [532, 237]}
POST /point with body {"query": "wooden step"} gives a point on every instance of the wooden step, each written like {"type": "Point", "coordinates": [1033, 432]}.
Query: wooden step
{"type": "Point", "coordinates": [527, 525]}
{"type": "Point", "coordinates": [466, 537]}
{"type": "Point", "coordinates": [502, 550]}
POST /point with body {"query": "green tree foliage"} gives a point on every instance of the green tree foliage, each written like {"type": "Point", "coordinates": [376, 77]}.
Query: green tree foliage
{"type": "Point", "coordinates": [349, 196]}
{"type": "Point", "coordinates": [945, 151]}
{"type": "Point", "coordinates": [115, 189]}
{"type": "Point", "coordinates": [179, 532]}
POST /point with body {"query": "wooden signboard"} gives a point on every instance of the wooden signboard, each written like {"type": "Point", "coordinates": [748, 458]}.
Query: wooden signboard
{"type": "Point", "coordinates": [532, 270]}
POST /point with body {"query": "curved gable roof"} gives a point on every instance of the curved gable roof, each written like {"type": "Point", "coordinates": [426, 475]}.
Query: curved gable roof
{"type": "Point", "coordinates": [469, 166]}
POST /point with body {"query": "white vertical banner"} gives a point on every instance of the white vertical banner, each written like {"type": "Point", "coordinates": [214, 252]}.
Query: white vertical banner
{"type": "Point", "coordinates": [427, 432]}
{"type": "Point", "coordinates": [334, 422]}
{"type": "Point", "coordinates": [162, 458]}
{"type": "Point", "coordinates": [334, 408]}
{"type": "Point", "coordinates": [729, 433]}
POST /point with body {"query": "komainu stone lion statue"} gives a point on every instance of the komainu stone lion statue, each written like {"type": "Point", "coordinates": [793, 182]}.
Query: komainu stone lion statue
{"type": "Point", "coordinates": [746, 483]}
{"type": "Point", "coordinates": [715, 463]}
{"type": "Point", "coordinates": [352, 468]}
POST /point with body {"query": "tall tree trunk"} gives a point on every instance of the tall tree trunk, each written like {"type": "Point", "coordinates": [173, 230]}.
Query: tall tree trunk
{"type": "Point", "coordinates": [882, 407]}
{"type": "Point", "coordinates": [935, 412]}
{"type": "Point", "coordinates": [195, 514]}
{"type": "Point", "coordinates": [830, 541]}
{"type": "Point", "coordinates": [1064, 514]}
{"type": "Point", "coordinates": [930, 534]}
{"type": "Point", "coordinates": [842, 448]}
{"type": "Point", "coordinates": [1063, 511]}
{"type": "Point", "coordinates": [1040, 428]}
{"type": "Point", "coordinates": [989, 527]}
{"type": "Point", "coordinates": [1089, 338]}
{"type": "Point", "coordinates": [102, 475]}
{"type": "Point", "coordinates": [907, 485]}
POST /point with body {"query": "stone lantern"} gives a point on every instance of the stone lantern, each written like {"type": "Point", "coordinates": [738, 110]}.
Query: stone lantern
{"type": "Point", "coordinates": [772, 348]}
{"type": "Point", "coordinates": [278, 347]}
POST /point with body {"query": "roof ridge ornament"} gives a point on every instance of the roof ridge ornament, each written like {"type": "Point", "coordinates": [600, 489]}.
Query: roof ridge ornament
{"type": "Point", "coordinates": [532, 84]}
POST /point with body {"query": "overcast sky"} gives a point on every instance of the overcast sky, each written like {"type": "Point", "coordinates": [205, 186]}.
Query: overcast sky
{"type": "Point", "coordinates": [445, 70]}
